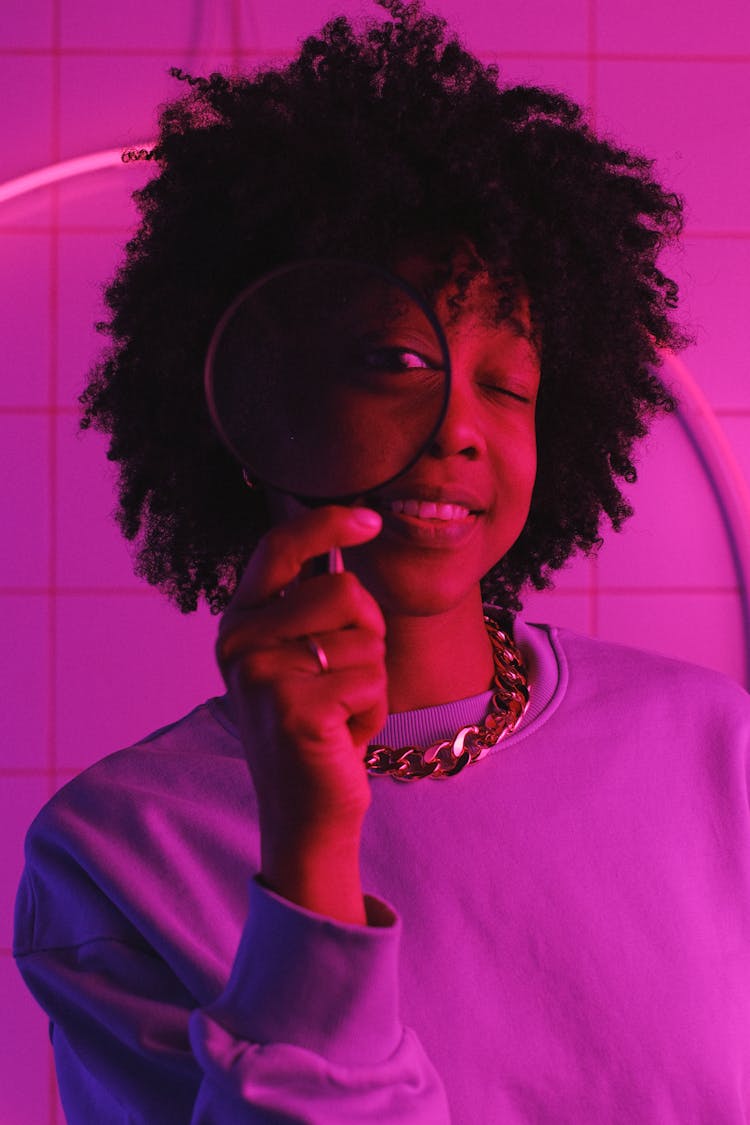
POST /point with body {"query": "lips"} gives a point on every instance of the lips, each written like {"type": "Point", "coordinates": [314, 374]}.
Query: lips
{"type": "Point", "coordinates": [430, 517]}
{"type": "Point", "coordinates": [446, 501]}
{"type": "Point", "coordinates": [426, 509]}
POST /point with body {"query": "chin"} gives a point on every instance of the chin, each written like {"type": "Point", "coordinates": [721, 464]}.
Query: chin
{"type": "Point", "coordinates": [417, 603]}
{"type": "Point", "coordinates": [412, 590]}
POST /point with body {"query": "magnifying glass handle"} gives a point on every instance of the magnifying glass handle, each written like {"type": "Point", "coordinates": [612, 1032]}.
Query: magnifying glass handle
{"type": "Point", "coordinates": [331, 563]}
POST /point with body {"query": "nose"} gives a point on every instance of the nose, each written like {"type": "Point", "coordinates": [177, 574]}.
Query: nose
{"type": "Point", "coordinates": [460, 430]}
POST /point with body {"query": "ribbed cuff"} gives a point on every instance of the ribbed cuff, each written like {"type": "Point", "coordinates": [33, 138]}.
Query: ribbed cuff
{"type": "Point", "coordinates": [301, 978]}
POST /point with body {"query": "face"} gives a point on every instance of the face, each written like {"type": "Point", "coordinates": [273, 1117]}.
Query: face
{"type": "Point", "coordinates": [462, 505]}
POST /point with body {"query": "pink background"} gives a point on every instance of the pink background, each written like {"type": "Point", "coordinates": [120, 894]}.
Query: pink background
{"type": "Point", "coordinates": [93, 659]}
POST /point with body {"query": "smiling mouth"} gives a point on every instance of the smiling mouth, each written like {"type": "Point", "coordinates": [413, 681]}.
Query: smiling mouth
{"type": "Point", "coordinates": [428, 524]}
{"type": "Point", "coordinates": [427, 509]}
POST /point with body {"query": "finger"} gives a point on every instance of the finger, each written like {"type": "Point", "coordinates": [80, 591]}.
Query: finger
{"type": "Point", "coordinates": [282, 552]}
{"type": "Point", "coordinates": [315, 707]}
{"type": "Point", "coordinates": [367, 723]}
{"type": "Point", "coordinates": [342, 650]}
{"type": "Point", "coordinates": [322, 604]}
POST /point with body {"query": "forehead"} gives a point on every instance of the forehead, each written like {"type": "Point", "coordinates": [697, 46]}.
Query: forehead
{"type": "Point", "coordinates": [460, 289]}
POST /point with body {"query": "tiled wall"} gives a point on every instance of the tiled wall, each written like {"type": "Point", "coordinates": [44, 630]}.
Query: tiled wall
{"type": "Point", "coordinates": [77, 76]}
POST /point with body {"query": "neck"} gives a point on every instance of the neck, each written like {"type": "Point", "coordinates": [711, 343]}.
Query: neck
{"type": "Point", "coordinates": [439, 658]}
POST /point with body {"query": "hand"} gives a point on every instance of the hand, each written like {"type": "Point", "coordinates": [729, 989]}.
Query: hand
{"type": "Point", "coordinates": [305, 731]}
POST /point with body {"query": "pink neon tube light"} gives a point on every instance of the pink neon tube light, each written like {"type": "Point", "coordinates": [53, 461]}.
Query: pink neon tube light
{"type": "Point", "coordinates": [65, 170]}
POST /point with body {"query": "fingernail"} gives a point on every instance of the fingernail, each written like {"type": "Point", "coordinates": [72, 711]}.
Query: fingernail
{"type": "Point", "coordinates": [366, 517]}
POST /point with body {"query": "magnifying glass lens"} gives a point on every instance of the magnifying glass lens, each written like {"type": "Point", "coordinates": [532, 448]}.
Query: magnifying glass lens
{"type": "Point", "coordinates": [327, 379]}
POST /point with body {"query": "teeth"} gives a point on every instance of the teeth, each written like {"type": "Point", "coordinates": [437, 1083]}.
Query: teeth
{"type": "Point", "coordinates": [427, 509]}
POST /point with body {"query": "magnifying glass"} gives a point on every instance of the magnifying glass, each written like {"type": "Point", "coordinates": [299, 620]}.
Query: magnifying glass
{"type": "Point", "coordinates": [327, 379]}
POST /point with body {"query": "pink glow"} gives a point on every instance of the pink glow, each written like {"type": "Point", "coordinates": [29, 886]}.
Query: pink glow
{"type": "Point", "coordinates": [721, 463]}
{"type": "Point", "coordinates": [64, 170]}
{"type": "Point", "coordinates": [665, 77]}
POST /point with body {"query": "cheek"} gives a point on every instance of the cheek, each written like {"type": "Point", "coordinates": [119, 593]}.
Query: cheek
{"type": "Point", "coordinates": [515, 464]}
{"type": "Point", "coordinates": [527, 458]}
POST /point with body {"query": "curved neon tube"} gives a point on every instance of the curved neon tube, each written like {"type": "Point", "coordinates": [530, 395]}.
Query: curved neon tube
{"type": "Point", "coordinates": [65, 170]}
{"type": "Point", "coordinates": [727, 483]}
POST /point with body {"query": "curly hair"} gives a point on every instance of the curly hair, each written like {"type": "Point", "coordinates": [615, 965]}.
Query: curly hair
{"type": "Point", "coordinates": [365, 142]}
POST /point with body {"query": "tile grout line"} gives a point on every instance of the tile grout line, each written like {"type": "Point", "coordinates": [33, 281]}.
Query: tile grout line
{"type": "Point", "coordinates": [145, 591]}
{"type": "Point", "coordinates": [53, 451]}
{"type": "Point", "coordinates": [63, 409]}
{"type": "Point", "coordinates": [287, 52]}
{"type": "Point", "coordinates": [593, 99]}
{"type": "Point", "coordinates": [235, 25]}
{"type": "Point", "coordinates": [52, 394]}
{"type": "Point", "coordinates": [126, 231]}
{"type": "Point", "coordinates": [591, 61]}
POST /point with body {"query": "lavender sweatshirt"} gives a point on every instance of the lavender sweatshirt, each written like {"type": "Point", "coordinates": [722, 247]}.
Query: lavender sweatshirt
{"type": "Point", "coordinates": [559, 934]}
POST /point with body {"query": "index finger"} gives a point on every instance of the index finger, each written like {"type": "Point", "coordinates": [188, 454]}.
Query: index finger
{"type": "Point", "coordinates": [282, 552]}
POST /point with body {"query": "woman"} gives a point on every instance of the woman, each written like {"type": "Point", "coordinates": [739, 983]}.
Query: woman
{"type": "Point", "coordinates": [559, 931]}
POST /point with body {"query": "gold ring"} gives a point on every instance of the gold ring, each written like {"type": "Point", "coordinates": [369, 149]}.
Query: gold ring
{"type": "Point", "coordinates": [318, 652]}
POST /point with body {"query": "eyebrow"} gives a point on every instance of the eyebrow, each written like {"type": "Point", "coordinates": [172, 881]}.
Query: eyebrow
{"type": "Point", "coordinates": [521, 332]}
{"type": "Point", "coordinates": [519, 329]}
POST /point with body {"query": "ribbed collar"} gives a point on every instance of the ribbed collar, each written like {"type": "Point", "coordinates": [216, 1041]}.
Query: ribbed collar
{"type": "Point", "coordinates": [428, 724]}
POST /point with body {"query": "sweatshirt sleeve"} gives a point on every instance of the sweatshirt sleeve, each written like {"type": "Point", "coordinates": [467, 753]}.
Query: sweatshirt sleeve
{"type": "Point", "coordinates": [306, 1030]}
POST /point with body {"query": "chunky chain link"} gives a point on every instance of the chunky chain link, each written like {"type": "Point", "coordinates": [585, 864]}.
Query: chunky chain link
{"type": "Point", "coordinates": [449, 756]}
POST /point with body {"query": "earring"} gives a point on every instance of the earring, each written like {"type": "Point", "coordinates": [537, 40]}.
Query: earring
{"type": "Point", "coordinates": [248, 480]}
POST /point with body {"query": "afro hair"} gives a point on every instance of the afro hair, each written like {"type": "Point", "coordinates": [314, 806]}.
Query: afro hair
{"type": "Point", "coordinates": [367, 141]}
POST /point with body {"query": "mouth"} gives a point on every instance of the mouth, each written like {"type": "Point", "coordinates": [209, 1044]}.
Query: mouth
{"type": "Point", "coordinates": [434, 522]}
{"type": "Point", "coordinates": [432, 510]}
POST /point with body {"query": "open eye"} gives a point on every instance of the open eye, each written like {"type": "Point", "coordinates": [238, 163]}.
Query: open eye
{"type": "Point", "coordinates": [393, 358]}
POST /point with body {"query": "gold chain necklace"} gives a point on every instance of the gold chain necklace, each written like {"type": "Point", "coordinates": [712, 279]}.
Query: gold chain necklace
{"type": "Point", "coordinates": [449, 756]}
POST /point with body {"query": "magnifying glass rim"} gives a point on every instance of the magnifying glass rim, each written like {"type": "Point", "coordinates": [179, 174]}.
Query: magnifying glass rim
{"type": "Point", "coordinates": [279, 271]}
